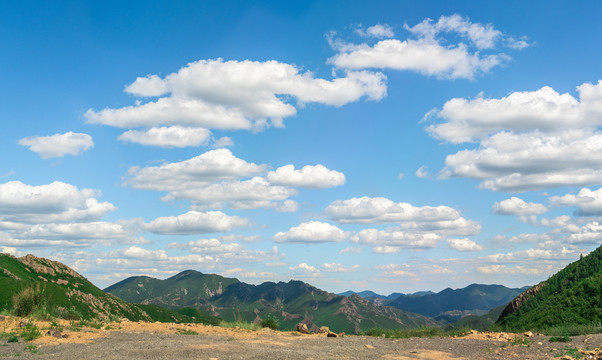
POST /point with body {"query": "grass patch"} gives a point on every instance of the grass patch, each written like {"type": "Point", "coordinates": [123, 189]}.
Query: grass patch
{"type": "Point", "coordinates": [520, 341]}
{"type": "Point", "coordinates": [573, 330]}
{"type": "Point", "coordinates": [572, 352]}
{"type": "Point", "coordinates": [270, 322]}
{"type": "Point", "coordinates": [186, 332]}
{"type": "Point", "coordinates": [241, 325]}
{"type": "Point", "coordinates": [32, 349]}
{"type": "Point", "coordinates": [30, 332]}
{"type": "Point", "coordinates": [560, 339]}
{"type": "Point", "coordinates": [406, 333]}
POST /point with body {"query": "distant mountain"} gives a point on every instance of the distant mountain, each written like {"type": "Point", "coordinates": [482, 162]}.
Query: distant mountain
{"type": "Point", "coordinates": [30, 284]}
{"type": "Point", "coordinates": [472, 298]}
{"type": "Point", "coordinates": [371, 295]}
{"type": "Point", "coordinates": [290, 302]}
{"type": "Point", "coordinates": [573, 296]}
{"type": "Point", "coordinates": [478, 322]}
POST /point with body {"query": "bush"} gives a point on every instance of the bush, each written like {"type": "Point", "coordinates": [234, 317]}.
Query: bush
{"type": "Point", "coordinates": [270, 321]}
{"type": "Point", "coordinates": [28, 300]}
{"type": "Point", "coordinates": [30, 332]}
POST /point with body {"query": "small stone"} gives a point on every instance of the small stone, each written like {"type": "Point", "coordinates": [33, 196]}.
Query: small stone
{"type": "Point", "coordinates": [587, 339]}
{"type": "Point", "coordinates": [324, 330]}
{"type": "Point", "coordinates": [302, 328]}
{"type": "Point", "coordinates": [528, 334]}
{"type": "Point", "coordinates": [331, 334]}
{"type": "Point", "coordinates": [369, 346]}
{"type": "Point", "coordinates": [54, 333]}
{"type": "Point", "coordinates": [24, 323]}
{"type": "Point", "coordinates": [2, 317]}
{"type": "Point", "coordinates": [64, 336]}
{"type": "Point", "coordinates": [540, 343]}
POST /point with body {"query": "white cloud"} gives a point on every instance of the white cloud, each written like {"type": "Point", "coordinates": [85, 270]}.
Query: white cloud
{"type": "Point", "coordinates": [482, 36]}
{"type": "Point", "coordinates": [528, 140]}
{"type": "Point", "coordinates": [545, 110]}
{"type": "Point", "coordinates": [394, 270]}
{"type": "Point", "coordinates": [430, 54]}
{"type": "Point", "coordinates": [589, 202]}
{"type": "Point", "coordinates": [464, 245]}
{"type": "Point", "coordinates": [194, 222]}
{"type": "Point", "coordinates": [337, 267]}
{"type": "Point", "coordinates": [304, 268]}
{"type": "Point", "coordinates": [248, 194]}
{"type": "Point", "coordinates": [377, 31]}
{"type": "Point", "coordinates": [312, 232]}
{"type": "Point", "coordinates": [422, 172]}
{"type": "Point", "coordinates": [223, 142]}
{"type": "Point", "coordinates": [519, 207]}
{"type": "Point", "coordinates": [227, 252]}
{"type": "Point", "coordinates": [288, 206]}
{"type": "Point", "coordinates": [366, 210]}
{"type": "Point", "coordinates": [234, 95]}
{"type": "Point", "coordinates": [170, 137]}
{"type": "Point", "coordinates": [54, 202]}
{"type": "Point", "coordinates": [199, 171]}
{"type": "Point", "coordinates": [351, 250]}
{"type": "Point", "coordinates": [309, 176]}
{"type": "Point", "coordinates": [58, 145]}
{"type": "Point", "coordinates": [392, 240]}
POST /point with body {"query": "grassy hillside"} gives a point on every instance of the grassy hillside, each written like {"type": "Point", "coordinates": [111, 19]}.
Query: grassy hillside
{"type": "Point", "coordinates": [572, 297]}
{"type": "Point", "coordinates": [38, 286]}
{"type": "Point", "coordinates": [289, 303]}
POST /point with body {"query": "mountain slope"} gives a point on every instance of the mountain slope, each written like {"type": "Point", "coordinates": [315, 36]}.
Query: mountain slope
{"type": "Point", "coordinates": [573, 296]}
{"type": "Point", "coordinates": [290, 302]}
{"type": "Point", "coordinates": [32, 284]}
{"type": "Point", "coordinates": [472, 297]}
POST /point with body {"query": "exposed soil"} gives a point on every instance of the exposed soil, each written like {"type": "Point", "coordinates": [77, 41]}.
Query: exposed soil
{"type": "Point", "coordinates": [141, 340]}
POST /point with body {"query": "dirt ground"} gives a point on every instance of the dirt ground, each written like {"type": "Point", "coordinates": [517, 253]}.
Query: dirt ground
{"type": "Point", "coordinates": [142, 340]}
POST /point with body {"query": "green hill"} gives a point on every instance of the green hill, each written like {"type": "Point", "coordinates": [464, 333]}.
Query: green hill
{"type": "Point", "coordinates": [290, 303]}
{"type": "Point", "coordinates": [572, 297]}
{"type": "Point", "coordinates": [38, 286]}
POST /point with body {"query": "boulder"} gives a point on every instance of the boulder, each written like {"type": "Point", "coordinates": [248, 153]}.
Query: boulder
{"type": "Point", "coordinates": [324, 330]}
{"type": "Point", "coordinates": [302, 328]}
{"type": "Point", "coordinates": [331, 334]}
{"type": "Point", "coordinates": [54, 333]}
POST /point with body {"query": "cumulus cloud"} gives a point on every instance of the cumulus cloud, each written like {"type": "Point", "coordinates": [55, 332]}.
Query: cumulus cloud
{"type": "Point", "coordinates": [464, 245]}
{"type": "Point", "coordinates": [392, 240]}
{"type": "Point", "coordinates": [227, 252]}
{"type": "Point", "coordinates": [304, 268]}
{"type": "Point", "coordinates": [312, 232]}
{"type": "Point", "coordinates": [527, 140]}
{"type": "Point", "coordinates": [519, 207]}
{"type": "Point", "coordinates": [195, 222]}
{"type": "Point", "coordinates": [58, 145]}
{"type": "Point", "coordinates": [430, 53]}
{"type": "Point", "coordinates": [377, 31]}
{"type": "Point", "coordinates": [218, 178]}
{"type": "Point", "coordinates": [54, 202]}
{"type": "Point", "coordinates": [196, 172]}
{"type": "Point", "coordinates": [317, 176]}
{"type": "Point", "coordinates": [367, 210]}
{"type": "Point", "coordinates": [337, 267]}
{"type": "Point", "coordinates": [587, 201]}
{"type": "Point", "coordinates": [170, 137]}
{"type": "Point", "coordinates": [234, 95]}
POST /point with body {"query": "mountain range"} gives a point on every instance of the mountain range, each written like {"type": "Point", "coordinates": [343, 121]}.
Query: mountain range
{"type": "Point", "coordinates": [289, 302]}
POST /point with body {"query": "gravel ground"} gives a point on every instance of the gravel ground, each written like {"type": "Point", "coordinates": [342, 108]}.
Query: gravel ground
{"type": "Point", "coordinates": [277, 345]}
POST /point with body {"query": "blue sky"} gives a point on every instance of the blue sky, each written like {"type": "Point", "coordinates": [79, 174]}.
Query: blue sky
{"type": "Point", "coordinates": [395, 146]}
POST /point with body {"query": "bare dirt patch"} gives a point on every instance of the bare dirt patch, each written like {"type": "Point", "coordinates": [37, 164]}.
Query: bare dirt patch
{"type": "Point", "coordinates": [143, 340]}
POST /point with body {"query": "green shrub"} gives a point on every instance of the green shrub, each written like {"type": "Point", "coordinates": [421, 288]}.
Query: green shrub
{"type": "Point", "coordinates": [28, 300]}
{"type": "Point", "coordinates": [30, 332]}
{"type": "Point", "coordinates": [270, 321]}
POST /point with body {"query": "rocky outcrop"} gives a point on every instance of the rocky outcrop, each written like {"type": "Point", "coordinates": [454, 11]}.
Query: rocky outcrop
{"type": "Point", "coordinates": [519, 300]}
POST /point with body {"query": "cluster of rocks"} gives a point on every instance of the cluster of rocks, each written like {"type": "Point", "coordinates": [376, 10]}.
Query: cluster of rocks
{"type": "Point", "coordinates": [302, 328]}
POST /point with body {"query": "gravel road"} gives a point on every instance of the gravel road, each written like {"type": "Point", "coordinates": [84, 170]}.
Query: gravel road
{"type": "Point", "coordinates": [276, 345]}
